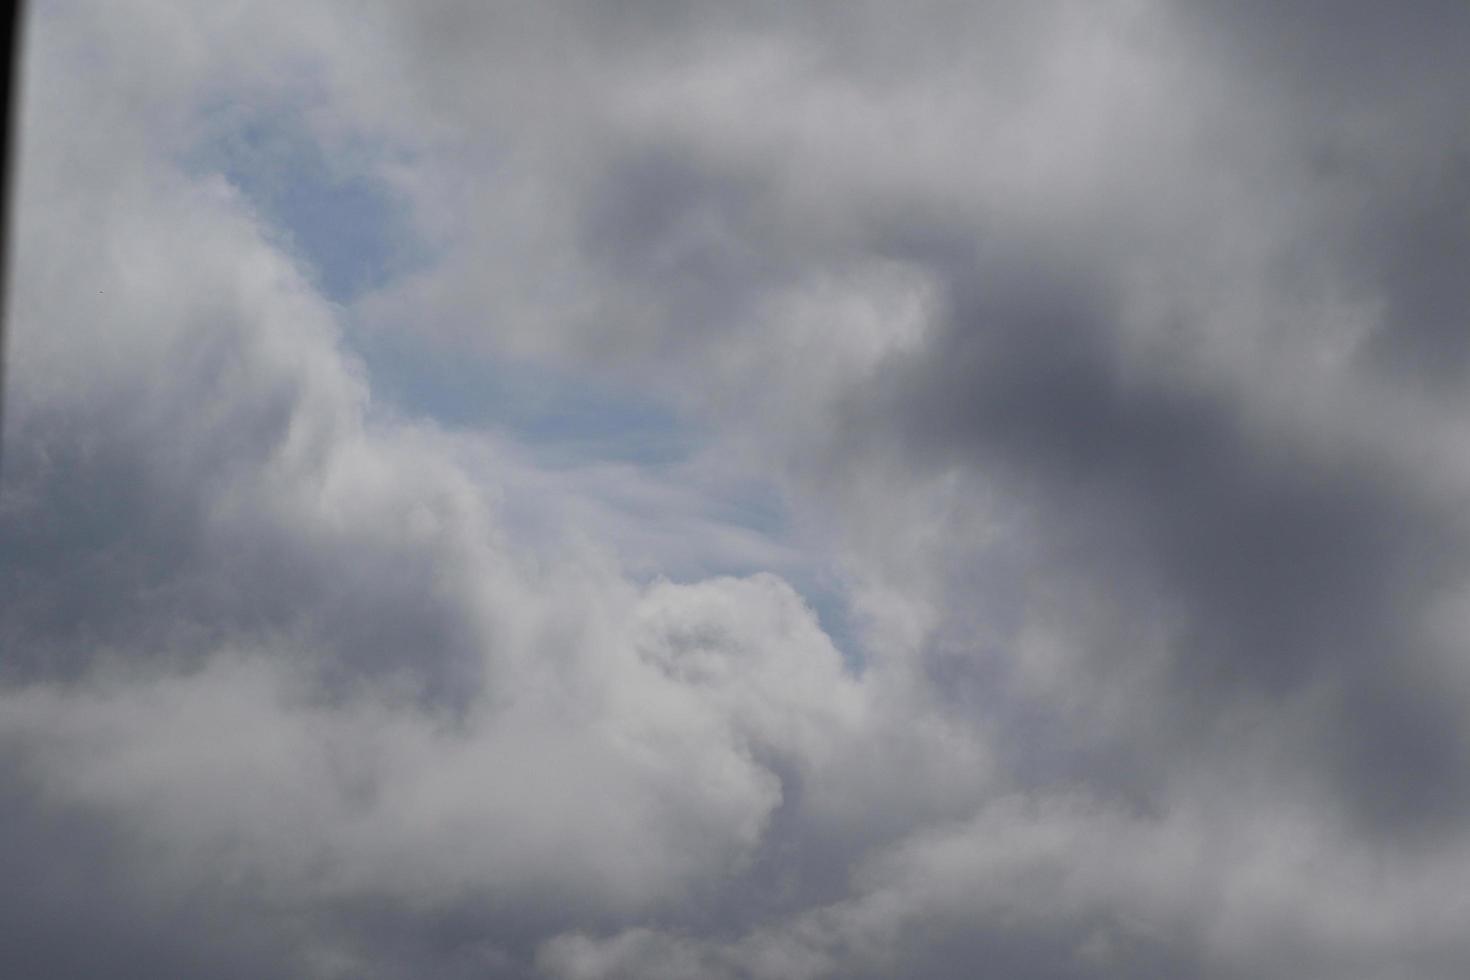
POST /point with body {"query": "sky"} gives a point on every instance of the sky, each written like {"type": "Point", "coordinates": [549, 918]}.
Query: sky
{"type": "Point", "coordinates": [771, 491]}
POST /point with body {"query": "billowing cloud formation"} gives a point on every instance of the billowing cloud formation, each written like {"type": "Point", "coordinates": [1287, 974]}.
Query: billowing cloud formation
{"type": "Point", "coordinates": [1062, 575]}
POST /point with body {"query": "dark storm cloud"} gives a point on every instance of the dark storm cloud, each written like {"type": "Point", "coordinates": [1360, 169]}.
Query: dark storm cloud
{"type": "Point", "coordinates": [1341, 54]}
{"type": "Point", "coordinates": [1298, 565]}
{"type": "Point", "coordinates": [1295, 565]}
{"type": "Point", "coordinates": [1415, 252]}
{"type": "Point", "coordinates": [1374, 95]}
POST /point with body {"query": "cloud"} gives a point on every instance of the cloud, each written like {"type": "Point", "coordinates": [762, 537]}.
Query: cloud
{"type": "Point", "coordinates": [1101, 360]}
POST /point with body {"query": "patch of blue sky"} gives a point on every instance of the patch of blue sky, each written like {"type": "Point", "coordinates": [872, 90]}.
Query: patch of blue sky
{"type": "Point", "coordinates": [560, 414]}
{"type": "Point", "coordinates": [351, 234]}
{"type": "Point", "coordinates": [340, 221]}
{"type": "Point", "coordinates": [828, 600]}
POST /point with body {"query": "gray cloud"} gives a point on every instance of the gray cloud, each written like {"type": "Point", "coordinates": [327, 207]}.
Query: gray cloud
{"type": "Point", "coordinates": [1285, 566]}
{"type": "Point", "coordinates": [1106, 355]}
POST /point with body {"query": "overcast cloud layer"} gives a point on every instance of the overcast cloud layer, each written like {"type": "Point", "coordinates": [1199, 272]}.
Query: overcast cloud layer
{"type": "Point", "coordinates": [772, 490]}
